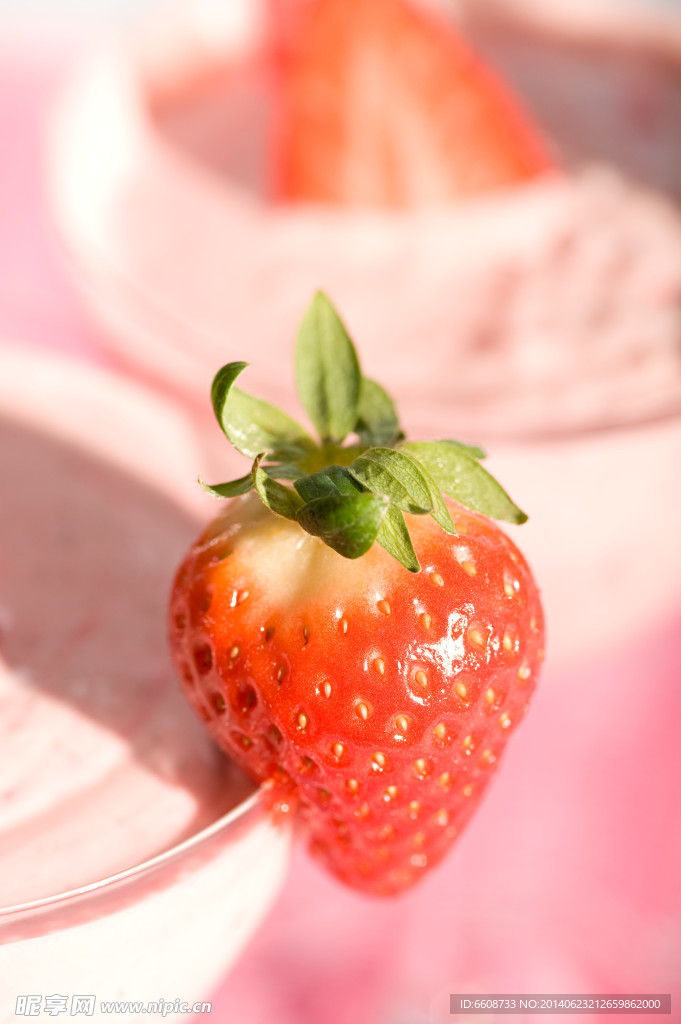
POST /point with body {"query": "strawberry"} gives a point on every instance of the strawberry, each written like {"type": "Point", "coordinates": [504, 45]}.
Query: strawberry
{"type": "Point", "coordinates": [351, 637]}
{"type": "Point", "coordinates": [384, 103]}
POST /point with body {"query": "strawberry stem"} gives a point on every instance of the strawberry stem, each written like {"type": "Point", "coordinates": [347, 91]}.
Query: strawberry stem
{"type": "Point", "coordinates": [348, 495]}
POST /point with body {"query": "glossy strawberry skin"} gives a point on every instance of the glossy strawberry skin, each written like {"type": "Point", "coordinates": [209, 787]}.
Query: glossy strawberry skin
{"type": "Point", "coordinates": [383, 103]}
{"type": "Point", "coordinates": [378, 699]}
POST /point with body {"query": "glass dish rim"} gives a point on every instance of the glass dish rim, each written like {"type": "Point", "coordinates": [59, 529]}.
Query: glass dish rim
{"type": "Point", "coordinates": [225, 824]}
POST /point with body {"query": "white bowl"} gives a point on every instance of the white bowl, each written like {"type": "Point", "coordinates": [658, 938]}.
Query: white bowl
{"type": "Point", "coordinates": [135, 859]}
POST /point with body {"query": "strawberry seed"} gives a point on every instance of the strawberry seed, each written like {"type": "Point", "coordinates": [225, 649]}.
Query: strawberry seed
{"type": "Point", "coordinates": [421, 678]}
{"type": "Point", "coordinates": [203, 658]}
{"type": "Point", "coordinates": [363, 710]}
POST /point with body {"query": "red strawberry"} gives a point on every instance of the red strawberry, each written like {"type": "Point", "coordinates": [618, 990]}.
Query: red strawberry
{"type": "Point", "coordinates": [382, 102]}
{"type": "Point", "coordinates": [379, 698]}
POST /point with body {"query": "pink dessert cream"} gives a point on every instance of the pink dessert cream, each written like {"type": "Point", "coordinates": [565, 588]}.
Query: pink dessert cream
{"type": "Point", "coordinates": [551, 310]}
{"type": "Point", "coordinates": [135, 860]}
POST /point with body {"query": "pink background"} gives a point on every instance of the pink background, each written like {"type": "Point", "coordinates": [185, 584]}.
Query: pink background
{"type": "Point", "coordinates": [568, 879]}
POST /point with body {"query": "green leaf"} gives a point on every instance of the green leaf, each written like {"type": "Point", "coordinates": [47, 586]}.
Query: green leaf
{"type": "Point", "coordinates": [283, 470]}
{"type": "Point", "coordinates": [394, 537]}
{"type": "Point", "coordinates": [395, 475]}
{"type": "Point", "coordinates": [471, 449]}
{"type": "Point", "coordinates": [327, 371]}
{"type": "Point", "coordinates": [279, 498]}
{"type": "Point", "coordinates": [332, 480]}
{"type": "Point", "coordinates": [347, 523]}
{"type": "Point", "coordinates": [460, 475]}
{"type": "Point", "coordinates": [316, 485]}
{"type": "Point", "coordinates": [440, 512]}
{"type": "Point", "coordinates": [254, 426]}
{"type": "Point", "coordinates": [231, 489]}
{"type": "Point", "coordinates": [344, 482]}
{"type": "Point", "coordinates": [377, 422]}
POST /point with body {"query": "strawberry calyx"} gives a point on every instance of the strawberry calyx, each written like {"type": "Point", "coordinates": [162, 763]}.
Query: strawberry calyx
{"type": "Point", "coordinates": [352, 486]}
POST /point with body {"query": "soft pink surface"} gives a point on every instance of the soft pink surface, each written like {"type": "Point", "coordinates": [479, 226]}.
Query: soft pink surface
{"type": "Point", "coordinates": [568, 878]}
{"type": "Point", "coordinates": [36, 306]}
